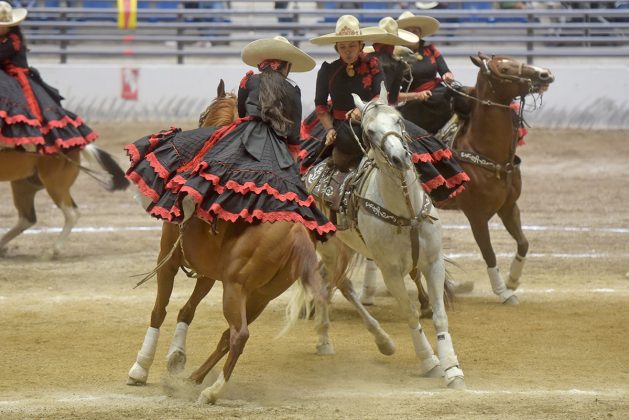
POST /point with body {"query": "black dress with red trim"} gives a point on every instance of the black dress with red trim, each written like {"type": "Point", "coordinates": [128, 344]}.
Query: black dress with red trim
{"type": "Point", "coordinates": [433, 113]}
{"type": "Point", "coordinates": [242, 171]}
{"type": "Point", "coordinates": [440, 173]}
{"type": "Point", "coordinates": [31, 115]}
{"type": "Point", "coordinates": [336, 82]}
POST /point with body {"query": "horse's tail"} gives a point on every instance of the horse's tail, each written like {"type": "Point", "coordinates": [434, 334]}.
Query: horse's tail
{"type": "Point", "coordinates": [309, 287]}
{"type": "Point", "coordinates": [114, 179]}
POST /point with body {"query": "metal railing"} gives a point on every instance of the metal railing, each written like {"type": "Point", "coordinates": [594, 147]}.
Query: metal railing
{"type": "Point", "coordinates": [168, 30]}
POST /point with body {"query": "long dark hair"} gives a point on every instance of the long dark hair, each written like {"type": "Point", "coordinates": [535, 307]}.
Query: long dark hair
{"type": "Point", "coordinates": [275, 99]}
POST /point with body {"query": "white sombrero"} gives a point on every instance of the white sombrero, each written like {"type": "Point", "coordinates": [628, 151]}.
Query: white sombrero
{"type": "Point", "coordinates": [10, 16]}
{"type": "Point", "coordinates": [426, 4]}
{"type": "Point", "coordinates": [348, 29]}
{"type": "Point", "coordinates": [393, 35]}
{"type": "Point", "coordinates": [427, 24]}
{"type": "Point", "coordinates": [277, 48]}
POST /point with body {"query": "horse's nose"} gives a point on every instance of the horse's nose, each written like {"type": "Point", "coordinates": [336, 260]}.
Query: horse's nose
{"type": "Point", "coordinates": [546, 76]}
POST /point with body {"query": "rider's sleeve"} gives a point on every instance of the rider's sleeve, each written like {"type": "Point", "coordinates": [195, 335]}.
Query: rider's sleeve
{"type": "Point", "coordinates": [377, 74]}
{"type": "Point", "coordinates": [442, 67]}
{"type": "Point", "coordinates": [396, 84]}
{"type": "Point", "coordinates": [322, 88]}
{"type": "Point", "coordinates": [243, 92]}
{"type": "Point", "coordinates": [293, 136]}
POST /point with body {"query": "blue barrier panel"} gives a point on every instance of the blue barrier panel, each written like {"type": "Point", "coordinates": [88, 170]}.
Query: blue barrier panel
{"type": "Point", "coordinates": [478, 5]}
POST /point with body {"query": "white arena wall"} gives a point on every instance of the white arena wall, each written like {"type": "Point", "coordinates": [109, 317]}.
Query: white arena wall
{"type": "Point", "coordinates": [583, 96]}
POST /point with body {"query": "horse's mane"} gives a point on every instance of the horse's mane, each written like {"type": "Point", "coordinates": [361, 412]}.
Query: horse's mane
{"type": "Point", "coordinates": [222, 111]}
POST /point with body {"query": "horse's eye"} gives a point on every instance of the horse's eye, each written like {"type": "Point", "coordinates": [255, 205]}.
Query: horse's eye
{"type": "Point", "coordinates": [504, 70]}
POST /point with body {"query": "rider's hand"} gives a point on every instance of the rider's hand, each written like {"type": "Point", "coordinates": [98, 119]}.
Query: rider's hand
{"type": "Point", "coordinates": [423, 95]}
{"type": "Point", "coordinates": [448, 77]}
{"type": "Point", "coordinates": [355, 115]}
{"type": "Point", "coordinates": [330, 136]}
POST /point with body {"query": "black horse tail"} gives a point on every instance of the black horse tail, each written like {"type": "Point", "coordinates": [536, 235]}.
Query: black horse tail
{"type": "Point", "coordinates": [114, 177]}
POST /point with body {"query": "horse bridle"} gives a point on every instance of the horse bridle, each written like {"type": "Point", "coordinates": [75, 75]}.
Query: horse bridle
{"type": "Point", "coordinates": [380, 146]}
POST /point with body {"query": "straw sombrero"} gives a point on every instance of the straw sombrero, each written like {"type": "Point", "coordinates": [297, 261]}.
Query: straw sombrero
{"type": "Point", "coordinates": [426, 4]}
{"type": "Point", "coordinates": [348, 29]}
{"type": "Point", "coordinates": [427, 24]}
{"type": "Point", "coordinates": [277, 48]}
{"type": "Point", "coordinates": [10, 16]}
{"type": "Point", "coordinates": [393, 35]}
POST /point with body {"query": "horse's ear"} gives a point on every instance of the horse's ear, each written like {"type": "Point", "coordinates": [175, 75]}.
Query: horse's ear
{"type": "Point", "coordinates": [383, 94]}
{"type": "Point", "coordinates": [476, 60]}
{"type": "Point", "coordinates": [358, 102]}
{"type": "Point", "coordinates": [220, 91]}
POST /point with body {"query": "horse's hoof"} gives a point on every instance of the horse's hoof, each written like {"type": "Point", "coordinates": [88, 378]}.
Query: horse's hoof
{"type": "Point", "coordinates": [463, 287]}
{"type": "Point", "coordinates": [386, 347]}
{"type": "Point", "coordinates": [426, 314]}
{"type": "Point", "coordinates": [457, 383]}
{"type": "Point", "coordinates": [325, 349]}
{"type": "Point", "coordinates": [513, 284]}
{"type": "Point", "coordinates": [135, 382]}
{"type": "Point", "coordinates": [137, 375]}
{"type": "Point", "coordinates": [512, 300]}
{"type": "Point", "coordinates": [207, 397]}
{"type": "Point", "coordinates": [435, 372]}
{"type": "Point", "coordinates": [176, 362]}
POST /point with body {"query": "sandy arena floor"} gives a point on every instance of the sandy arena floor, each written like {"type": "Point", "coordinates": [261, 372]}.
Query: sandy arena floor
{"type": "Point", "coordinates": [71, 328]}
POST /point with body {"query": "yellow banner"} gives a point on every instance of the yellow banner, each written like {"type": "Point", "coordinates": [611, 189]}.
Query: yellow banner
{"type": "Point", "coordinates": [127, 14]}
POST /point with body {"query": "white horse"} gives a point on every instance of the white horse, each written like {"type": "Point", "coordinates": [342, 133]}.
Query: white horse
{"type": "Point", "coordinates": [398, 228]}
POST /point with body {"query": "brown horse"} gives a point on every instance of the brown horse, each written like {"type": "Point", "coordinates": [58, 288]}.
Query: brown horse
{"type": "Point", "coordinates": [485, 146]}
{"type": "Point", "coordinates": [255, 262]}
{"type": "Point", "coordinates": [31, 172]}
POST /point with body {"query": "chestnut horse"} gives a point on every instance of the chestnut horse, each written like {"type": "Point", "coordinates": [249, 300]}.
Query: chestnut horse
{"type": "Point", "coordinates": [255, 262]}
{"type": "Point", "coordinates": [30, 172]}
{"type": "Point", "coordinates": [485, 146]}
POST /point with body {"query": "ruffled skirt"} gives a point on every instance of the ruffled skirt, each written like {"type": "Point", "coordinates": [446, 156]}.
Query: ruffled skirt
{"type": "Point", "coordinates": [54, 130]}
{"type": "Point", "coordinates": [226, 181]}
{"type": "Point", "coordinates": [441, 175]}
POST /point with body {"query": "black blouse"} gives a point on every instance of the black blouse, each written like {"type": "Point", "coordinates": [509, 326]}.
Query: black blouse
{"type": "Point", "coordinates": [334, 82]}
{"type": "Point", "coordinates": [393, 74]}
{"type": "Point", "coordinates": [249, 103]}
{"type": "Point", "coordinates": [430, 63]}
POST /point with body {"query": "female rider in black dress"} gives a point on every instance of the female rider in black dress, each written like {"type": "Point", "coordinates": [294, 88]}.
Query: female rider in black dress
{"type": "Point", "coordinates": [242, 171]}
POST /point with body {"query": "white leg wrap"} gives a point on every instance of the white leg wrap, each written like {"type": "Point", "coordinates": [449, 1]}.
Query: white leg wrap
{"type": "Point", "coordinates": [445, 350]}
{"type": "Point", "coordinates": [139, 372]}
{"type": "Point", "coordinates": [515, 271]}
{"type": "Point", "coordinates": [179, 338]}
{"type": "Point", "coordinates": [147, 352]}
{"type": "Point", "coordinates": [369, 283]}
{"type": "Point", "coordinates": [423, 350]}
{"type": "Point", "coordinates": [498, 284]}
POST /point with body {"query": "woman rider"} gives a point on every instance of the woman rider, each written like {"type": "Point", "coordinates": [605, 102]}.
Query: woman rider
{"type": "Point", "coordinates": [353, 72]}
{"type": "Point", "coordinates": [243, 171]}
{"type": "Point", "coordinates": [427, 72]}
{"type": "Point", "coordinates": [31, 115]}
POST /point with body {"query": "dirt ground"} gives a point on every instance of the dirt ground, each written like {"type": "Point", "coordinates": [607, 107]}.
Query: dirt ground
{"type": "Point", "coordinates": [70, 328]}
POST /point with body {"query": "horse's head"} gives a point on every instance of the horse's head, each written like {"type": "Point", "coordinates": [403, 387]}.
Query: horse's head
{"type": "Point", "coordinates": [222, 111]}
{"type": "Point", "coordinates": [509, 77]}
{"type": "Point", "coordinates": [383, 128]}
